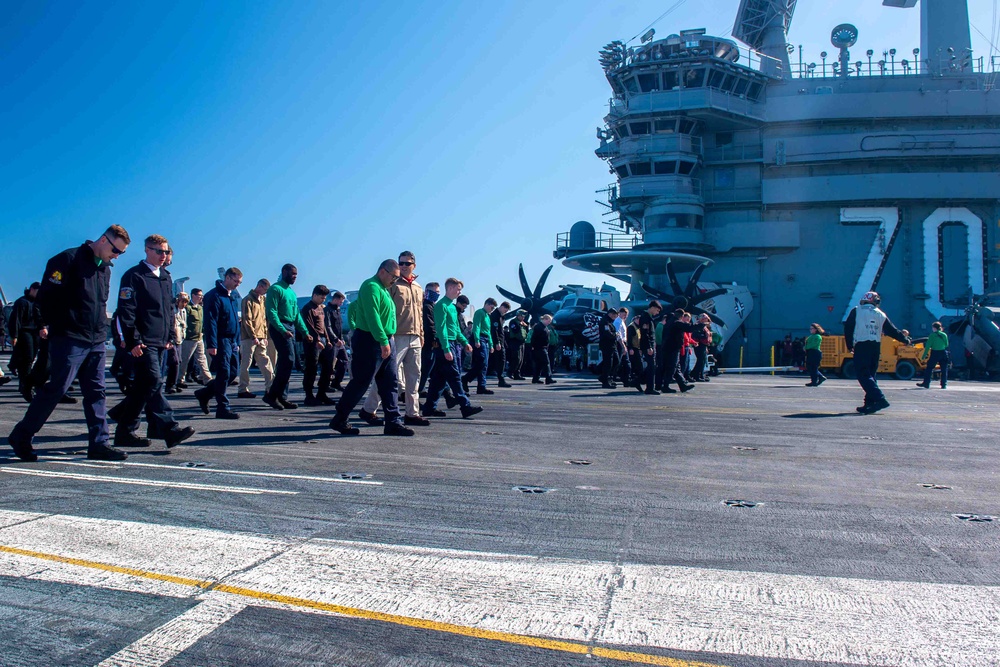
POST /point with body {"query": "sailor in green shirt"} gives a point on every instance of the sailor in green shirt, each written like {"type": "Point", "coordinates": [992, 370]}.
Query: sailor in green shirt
{"type": "Point", "coordinates": [482, 341]}
{"type": "Point", "coordinates": [373, 349]}
{"type": "Point", "coordinates": [444, 365]}
{"type": "Point", "coordinates": [281, 310]}
{"type": "Point", "coordinates": [936, 348]}
{"type": "Point", "coordinates": [814, 355]}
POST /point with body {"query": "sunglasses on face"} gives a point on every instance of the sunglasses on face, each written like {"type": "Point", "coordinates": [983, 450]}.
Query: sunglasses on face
{"type": "Point", "coordinates": [114, 249]}
{"type": "Point", "coordinates": [159, 251]}
{"type": "Point", "coordinates": [406, 263]}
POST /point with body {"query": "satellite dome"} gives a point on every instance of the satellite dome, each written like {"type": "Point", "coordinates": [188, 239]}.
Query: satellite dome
{"type": "Point", "coordinates": [582, 235]}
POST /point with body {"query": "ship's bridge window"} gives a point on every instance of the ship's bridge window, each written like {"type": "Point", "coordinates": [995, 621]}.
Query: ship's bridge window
{"type": "Point", "coordinates": [639, 128]}
{"type": "Point", "coordinates": [715, 78]}
{"type": "Point", "coordinates": [754, 91]}
{"type": "Point", "coordinates": [640, 168]}
{"type": "Point", "coordinates": [665, 167]}
{"type": "Point", "coordinates": [694, 78]}
{"type": "Point", "coordinates": [687, 127]}
{"type": "Point", "coordinates": [670, 80]}
{"type": "Point", "coordinates": [622, 171]}
{"type": "Point", "coordinates": [630, 85]}
{"type": "Point", "coordinates": [648, 82]}
{"type": "Point", "coordinates": [672, 221]}
{"type": "Point", "coordinates": [741, 87]}
{"type": "Point", "coordinates": [621, 131]}
{"type": "Point", "coordinates": [685, 167]}
{"type": "Point", "coordinates": [666, 126]}
{"type": "Point", "coordinates": [729, 83]}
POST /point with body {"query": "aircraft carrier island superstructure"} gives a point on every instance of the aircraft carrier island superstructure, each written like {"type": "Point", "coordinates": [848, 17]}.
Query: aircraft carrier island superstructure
{"type": "Point", "coordinates": [808, 182]}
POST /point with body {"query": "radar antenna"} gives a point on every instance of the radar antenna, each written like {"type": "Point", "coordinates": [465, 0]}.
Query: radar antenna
{"type": "Point", "coordinates": [763, 25]}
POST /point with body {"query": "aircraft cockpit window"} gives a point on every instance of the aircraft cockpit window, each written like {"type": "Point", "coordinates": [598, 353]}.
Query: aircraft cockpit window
{"type": "Point", "coordinates": [569, 303]}
{"type": "Point", "coordinates": [604, 306]}
{"type": "Point", "coordinates": [586, 303]}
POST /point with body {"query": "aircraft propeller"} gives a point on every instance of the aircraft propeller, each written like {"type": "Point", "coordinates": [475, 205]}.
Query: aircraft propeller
{"type": "Point", "coordinates": [532, 301]}
{"type": "Point", "coordinates": [687, 297]}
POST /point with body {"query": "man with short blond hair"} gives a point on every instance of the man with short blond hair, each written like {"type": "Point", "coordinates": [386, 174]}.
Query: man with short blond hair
{"type": "Point", "coordinates": [253, 339]}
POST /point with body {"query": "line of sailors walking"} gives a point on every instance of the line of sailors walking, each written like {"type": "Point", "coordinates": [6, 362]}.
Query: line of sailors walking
{"type": "Point", "coordinates": [387, 321]}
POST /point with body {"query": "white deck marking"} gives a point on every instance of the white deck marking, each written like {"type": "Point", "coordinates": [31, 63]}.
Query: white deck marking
{"type": "Point", "coordinates": [779, 616]}
{"type": "Point", "coordinates": [250, 473]}
{"type": "Point", "coordinates": [147, 482]}
{"type": "Point", "coordinates": [170, 640]}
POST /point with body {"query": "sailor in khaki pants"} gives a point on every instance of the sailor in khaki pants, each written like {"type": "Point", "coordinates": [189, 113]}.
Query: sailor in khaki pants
{"type": "Point", "coordinates": [253, 340]}
{"type": "Point", "coordinates": [408, 296]}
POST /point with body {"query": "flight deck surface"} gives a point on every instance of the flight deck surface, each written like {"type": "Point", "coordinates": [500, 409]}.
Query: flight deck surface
{"type": "Point", "coordinates": [751, 522]}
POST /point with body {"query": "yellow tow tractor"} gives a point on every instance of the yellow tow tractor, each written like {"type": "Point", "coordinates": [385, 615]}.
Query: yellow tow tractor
{"type": "Point", "coordinates": [901, 360]}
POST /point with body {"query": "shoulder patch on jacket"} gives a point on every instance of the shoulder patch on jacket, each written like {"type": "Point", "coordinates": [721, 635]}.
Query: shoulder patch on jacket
{"type": "Point", "coordinates": [126, 293]}
{"type": "Point", "coordinates": [56, 278]}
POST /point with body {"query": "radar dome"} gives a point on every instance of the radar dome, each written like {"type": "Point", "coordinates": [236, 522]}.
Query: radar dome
{"type": "Point", "coordinates": [582, 235]}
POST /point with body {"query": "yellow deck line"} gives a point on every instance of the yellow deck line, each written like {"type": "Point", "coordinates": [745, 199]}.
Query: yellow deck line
{"type": "Point", "coordinates": [367, 614]}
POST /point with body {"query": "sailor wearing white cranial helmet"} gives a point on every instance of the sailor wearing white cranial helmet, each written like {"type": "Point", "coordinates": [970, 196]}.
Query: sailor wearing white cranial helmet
{"type": "Point", "coordinates": [863, 331]}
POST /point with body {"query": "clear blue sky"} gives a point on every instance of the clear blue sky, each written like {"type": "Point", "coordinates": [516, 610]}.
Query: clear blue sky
{"type": "Point", "coordinates": [329, 134]}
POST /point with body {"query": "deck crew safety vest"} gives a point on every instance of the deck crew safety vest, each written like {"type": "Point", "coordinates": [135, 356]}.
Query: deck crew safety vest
{"type": "Point", "coordinates": [868, 325]}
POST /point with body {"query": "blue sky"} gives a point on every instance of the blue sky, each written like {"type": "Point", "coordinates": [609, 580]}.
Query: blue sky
{"type": "Point", "coordinates": [329, 134]}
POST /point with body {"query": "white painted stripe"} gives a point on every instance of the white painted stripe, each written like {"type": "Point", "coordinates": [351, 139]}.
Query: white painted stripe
{"type": "Point", "coordinates": [779, 616]}
{"type": "Point", "coordinates": [168, 641]}
{"type": "Point", "coordinates": [251, 473]}
{"type": "Point", "coordinates": [147, 482]}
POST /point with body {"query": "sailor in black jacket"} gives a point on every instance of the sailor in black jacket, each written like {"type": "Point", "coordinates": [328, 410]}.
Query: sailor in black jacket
{"type": "Point", "coordinates": [673, 342]}
{"type": "Point", "coordinates": [540, 350]}
{"type": "Point", "coordinates": [608, 340]}
{"type": "Point", "coordinates": [499, 354]}
{"type": "Point", "coordinates": [336, 351]}
{"type": "Point", "coordinates": [431, 295]}
{"type": "Point", "coordinates": [647, 343]}
{"type": "Point", "coordinates": [24, 327]}
{"type": "Point", "coordinates": [145, 314]}
{"type": "Point", "coordinates": [72, 302]}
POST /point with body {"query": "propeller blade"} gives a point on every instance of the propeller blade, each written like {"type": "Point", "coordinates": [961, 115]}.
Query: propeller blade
{"type": "Point", "coordinates": [692, 285]}
{"type": "Point", "coordinates": [676, 286]}
{"type": "Point", "coordinates": [524, 282]}
{"type": "Point", "coordinates": [701, 298]}
{"type": "Point", "coordinates": [510, 295]}
{"type": "Point", "coordinates": [655, 292]}
{"type": "Point", "coordinates": [541, 282]}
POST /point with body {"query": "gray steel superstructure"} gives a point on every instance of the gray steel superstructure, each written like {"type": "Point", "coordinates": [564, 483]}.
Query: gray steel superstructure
{"type": "Point", "coordinates": [808, 183]}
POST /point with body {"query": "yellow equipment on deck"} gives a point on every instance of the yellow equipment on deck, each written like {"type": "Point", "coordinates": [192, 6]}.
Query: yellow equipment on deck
{"type": "Point", "coordinates": [901, 360]}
